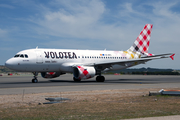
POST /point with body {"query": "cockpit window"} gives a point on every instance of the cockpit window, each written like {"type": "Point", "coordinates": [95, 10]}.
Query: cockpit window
{"type": "Point", "coordinates": [22, 55]}
{"type": "Point", "coordinates": [26, 56]}
{"type": "Point", "coordinates": [16, 55]}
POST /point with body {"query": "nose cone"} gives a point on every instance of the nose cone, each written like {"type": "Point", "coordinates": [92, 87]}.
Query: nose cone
{"type": "Point", "coordinates": [10, 63]}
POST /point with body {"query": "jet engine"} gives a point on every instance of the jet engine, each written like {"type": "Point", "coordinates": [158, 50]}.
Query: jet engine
{"type": "Point", "coordinates": [84, 72]}
{"type": "Point", "coordinates": [50, 74]}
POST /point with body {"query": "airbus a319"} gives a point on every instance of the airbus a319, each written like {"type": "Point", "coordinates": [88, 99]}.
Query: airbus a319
{"type": "Point", "coordinates": [84, 64]}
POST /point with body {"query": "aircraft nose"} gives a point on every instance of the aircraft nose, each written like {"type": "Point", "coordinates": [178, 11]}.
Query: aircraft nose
{"type": "Point", "coordinates": [9, 64]}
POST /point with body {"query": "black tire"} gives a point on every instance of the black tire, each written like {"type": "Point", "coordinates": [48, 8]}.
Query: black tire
{"type": "Point", "coordinates": [76, 80]}
{"type": "Point", "coordinates": [100, 78]}
{"type": "Point", "coordinates": [34, 81]}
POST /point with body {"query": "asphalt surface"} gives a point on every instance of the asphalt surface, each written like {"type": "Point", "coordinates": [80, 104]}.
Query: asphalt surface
{"type": "Point", "coordinates": [18, 84]}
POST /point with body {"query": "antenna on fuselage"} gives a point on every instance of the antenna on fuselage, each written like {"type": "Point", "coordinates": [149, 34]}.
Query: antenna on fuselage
{"type": "Point", "coordinates": [37, 47]}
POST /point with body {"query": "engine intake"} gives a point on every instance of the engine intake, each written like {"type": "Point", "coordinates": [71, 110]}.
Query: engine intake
{"type": "Point", "coordinates": [84, 72]}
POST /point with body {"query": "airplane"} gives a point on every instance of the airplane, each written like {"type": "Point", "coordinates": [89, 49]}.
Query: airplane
{"type": "Point", "coordinates": [84, 64]}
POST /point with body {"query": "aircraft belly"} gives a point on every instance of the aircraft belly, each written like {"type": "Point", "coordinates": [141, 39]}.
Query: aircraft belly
{"type": "Point", "coordinates": [32, 68]}
{"type": "Point", "coordinates": [118, 67]}
{"type": "Point", "coordinates": [39, 68]}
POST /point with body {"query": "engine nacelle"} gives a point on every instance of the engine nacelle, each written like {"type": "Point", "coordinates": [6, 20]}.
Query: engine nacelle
{"type": "Point", "coordinates": [84, 72]}
{"type": "Point", "coordinates": [50, 74]}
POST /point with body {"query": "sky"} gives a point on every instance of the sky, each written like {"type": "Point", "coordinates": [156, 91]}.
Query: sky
{"type": "Point", "coordinates": [90, 24]}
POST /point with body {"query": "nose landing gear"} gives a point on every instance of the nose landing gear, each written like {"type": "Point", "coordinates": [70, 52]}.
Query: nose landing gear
{"type": "Point", "coordinates": [35, 80]}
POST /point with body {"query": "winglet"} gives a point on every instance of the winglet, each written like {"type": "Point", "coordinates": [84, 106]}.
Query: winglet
{"type": "Point", "coordinates": [172, 56]}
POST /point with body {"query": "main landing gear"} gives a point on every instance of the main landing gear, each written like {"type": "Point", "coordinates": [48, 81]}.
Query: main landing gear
{"type": "Point", "coordinates": [100, 78]}
{"type": "Point", "coordinates": [35, 80]}
{"type": "Point", "coordinates": [76, 80]}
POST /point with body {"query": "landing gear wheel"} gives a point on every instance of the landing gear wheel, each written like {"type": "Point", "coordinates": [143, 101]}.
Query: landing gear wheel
{"type": "Point", "coordinates": [100, 78]}
{"type": "Point", "coordinates": [76, 80]}
{"type": "Point", "coordinates": [34, 81]}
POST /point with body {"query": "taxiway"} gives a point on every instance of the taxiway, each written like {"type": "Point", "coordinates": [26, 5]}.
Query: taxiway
{"type": "Point", "coordinates": [18, 84]}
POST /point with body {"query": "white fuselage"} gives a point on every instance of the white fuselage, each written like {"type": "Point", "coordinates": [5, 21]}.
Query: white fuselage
{"type": "Point", "coordinates": [46, 60]}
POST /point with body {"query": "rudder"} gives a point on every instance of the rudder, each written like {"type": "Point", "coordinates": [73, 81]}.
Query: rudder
{"type": "Point", "coordinates": [141, 43]}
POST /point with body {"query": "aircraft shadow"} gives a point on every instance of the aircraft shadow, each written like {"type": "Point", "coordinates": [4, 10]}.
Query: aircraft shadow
{"type": "Point", "coordinates": [92, 81]}
{"type": "Point", "coordinates": [115, 81]}
{"type": "Point", "coordinates": [120, 81]}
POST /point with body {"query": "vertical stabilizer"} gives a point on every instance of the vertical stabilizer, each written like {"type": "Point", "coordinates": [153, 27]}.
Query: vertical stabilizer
{"type": "Point", "coordinates": [141, 43]}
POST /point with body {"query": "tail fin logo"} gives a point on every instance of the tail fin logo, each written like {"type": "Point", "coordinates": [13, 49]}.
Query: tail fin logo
{"type": "Point", "coordinates": [141, 43]}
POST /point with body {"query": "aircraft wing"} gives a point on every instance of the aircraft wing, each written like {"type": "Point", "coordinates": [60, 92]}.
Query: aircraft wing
{"type": "Point", "coordinates": [132, 62]}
